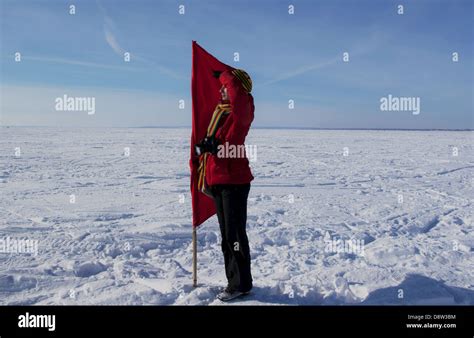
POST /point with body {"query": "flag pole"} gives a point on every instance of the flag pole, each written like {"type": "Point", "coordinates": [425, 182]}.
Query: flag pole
{"type": "Point", "coordinates": [194, 257]}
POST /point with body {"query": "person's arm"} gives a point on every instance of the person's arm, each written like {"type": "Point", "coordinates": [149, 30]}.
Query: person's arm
{"type": "Point", "coordinates": [241, 105]}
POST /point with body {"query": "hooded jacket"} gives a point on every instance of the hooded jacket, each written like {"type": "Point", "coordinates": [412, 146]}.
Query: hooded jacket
{"type": "Point", "coordinates": [223, 169]}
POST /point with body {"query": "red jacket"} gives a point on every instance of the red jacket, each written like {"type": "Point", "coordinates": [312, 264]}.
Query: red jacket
{"type": "Point", "coordinates": [234, 128]}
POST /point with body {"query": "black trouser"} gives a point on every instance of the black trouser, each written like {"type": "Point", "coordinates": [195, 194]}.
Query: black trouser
{"type": "Point", "coordinates": [231, 205]}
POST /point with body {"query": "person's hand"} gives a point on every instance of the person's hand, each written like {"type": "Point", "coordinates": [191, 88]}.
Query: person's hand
{"type": "Point", "coordinates": [216, 73]}
{"type": "Point", "coordinates": [207, 145]}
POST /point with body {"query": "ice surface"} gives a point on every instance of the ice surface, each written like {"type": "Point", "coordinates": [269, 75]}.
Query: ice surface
{"type": "Point", "coordinates": [126, 239]}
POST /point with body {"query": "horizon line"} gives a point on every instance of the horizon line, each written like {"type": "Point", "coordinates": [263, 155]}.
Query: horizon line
{"type": "Point", "coordinates": [256, 127]}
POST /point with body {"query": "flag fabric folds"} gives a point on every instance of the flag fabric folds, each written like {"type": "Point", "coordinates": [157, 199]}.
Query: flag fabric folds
{"type": "Point", "coordinates": [205, 96]}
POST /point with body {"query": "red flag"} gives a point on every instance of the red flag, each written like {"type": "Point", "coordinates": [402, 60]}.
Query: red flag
{"type": "Point", "coordinates": [205, 96]}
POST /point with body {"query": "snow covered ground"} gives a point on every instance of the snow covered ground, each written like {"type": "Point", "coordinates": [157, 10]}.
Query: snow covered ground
{"type": "Point", "coordinates": [126, 239]}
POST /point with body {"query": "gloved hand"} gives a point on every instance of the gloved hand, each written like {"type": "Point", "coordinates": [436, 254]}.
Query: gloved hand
{"type": "Point", "coordinates": [207, 145]}
{"type": "Point", "coordinates": [216, 73]}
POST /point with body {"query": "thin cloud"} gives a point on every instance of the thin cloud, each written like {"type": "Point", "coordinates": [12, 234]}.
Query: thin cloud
{"type": "Point", "coordinates": [77, 63]}
{"type": "Point", "coordinates": [111, 39]}
{"type": "Point", "coordinates": [363, 47]}
{"type": "Point", "coordinates": [303, 70]}
{"type": "Point", "coordinates": [161, 69]}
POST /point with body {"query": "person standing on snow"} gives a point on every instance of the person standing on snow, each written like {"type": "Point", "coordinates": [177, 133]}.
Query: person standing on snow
{"type": "Point", "coordinates": [227, 180]}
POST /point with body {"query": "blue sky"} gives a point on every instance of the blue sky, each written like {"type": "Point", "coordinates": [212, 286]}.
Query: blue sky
{"type": "Point", "coordinates": [296, 57]}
